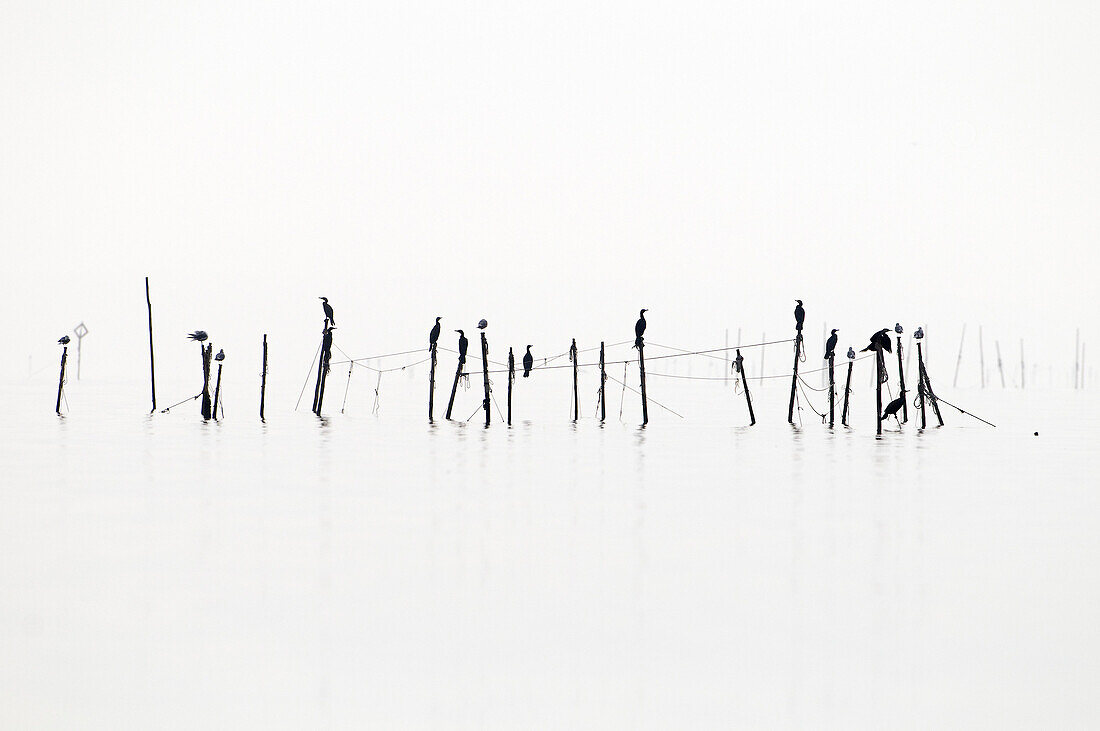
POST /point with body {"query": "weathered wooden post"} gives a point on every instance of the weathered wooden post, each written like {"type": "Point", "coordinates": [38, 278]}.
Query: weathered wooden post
{"type": "Point", "coordinates": [794, 376]}
{"type": "Point", "coordinates": [740, 364]}
{"type": "Point", "coordinates": [929, 394]}
{"type": "Point", "coordinates": [832, 391]}
{"type": "Point", "coordinates": [462, 345]}
{"type": "Point", "coordinates": [880, 363]}
{"type": "Point", "coordinates": [263, 380]}
{"type": "Point", "coordinates": [920, 385]}
{"type": "Point", "coordinates": [959, 360]}
{"type": "Point", "coordinates": [61, 379]}
{"type": "Point", "coordinates": [218, 388]}
{"type": "Point", "coordinates": [848, 386]}
{"type": "Point", "coordinates": [485, 373]}
{"type": "Point", "coordinates": [152, 370]}
{"type": "Point", "coordinates": [576, 397]}
{"type": "Point", "coordinates": [431, 382]}
{"type": "Point", "coordinates": [603, 382]}
{"type": "Point", "coordinates": [641, 369]}
{"type": "Point", "coordinates": [511, 380]}
{"type": "Point", "coordinates": [207, 353]}
{"type": "Point", "coordinates": [1000, 366]}
{"type": "Point", "coordinates": [320, 370]}
{"type": "Point", "coordinates": [901, 378]}
{"type": "Point", "coordinates": [326, 357]}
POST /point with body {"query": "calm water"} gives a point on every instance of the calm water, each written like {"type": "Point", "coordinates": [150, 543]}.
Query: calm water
{"type": "Point", "coordinates": [370, 571]}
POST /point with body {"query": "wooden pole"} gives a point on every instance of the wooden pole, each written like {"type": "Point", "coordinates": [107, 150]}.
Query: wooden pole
{"type": "Point", "coordinates": [920, 387]}
{"type": "Point", "coordinates": [641, 368]}
{"type": "Point", "coordinates": [511, 380]}
{"type": "Point", "coordinates": [152, 370]}
{"type": "Point", "coordinates": [847, 390]}
{"type": "Point", "coordinates": [454, 386]}
{"type": "Point", "coordinates": [206, 354]}
{"type": "Point", "coordinates": [61, 378]}
{"type": "Point", "coordinates": [431, 383]}
{"type": "Point", "coordinates": [263, 380]}
{"type": "Point", "coordinates": [901, 385]}
{"type": "Point", "coordinates": [576, 397]}
{"type": "Point", "coordinates": [326, 357]}
{"type": "Point", "coordinates": [794, 377]}
{"type": "Point", "coordinates": [217, 392]}
{"type": "Point", "coordinates": [603, 381]}
{"type": "Point", "coordinates": [981, 354]}
{"type": "Point", "coordinates": [1000, 367]}
{"type": "Point", "coordinates": [880, 363]}
{"type": "Point", "coordinates": [745, 383]}
{"type": "Point", "coordinates": [832, 391]}
{"type": "Point", "coordinates": [485, 373]}
{"type": "Point", "coordinates": [320, 372]}
{"type": "Point", "coordinates": [929, 393]}
{"type": "Point", "coordinates": [958, 362]}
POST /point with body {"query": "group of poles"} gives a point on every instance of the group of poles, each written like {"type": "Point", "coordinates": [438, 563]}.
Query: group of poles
{"type": "Point", "coordinates": [879, 345]}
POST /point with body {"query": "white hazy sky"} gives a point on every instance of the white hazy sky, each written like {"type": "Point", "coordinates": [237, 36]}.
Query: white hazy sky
{"type": "Point", "coordinates": [552, 167]}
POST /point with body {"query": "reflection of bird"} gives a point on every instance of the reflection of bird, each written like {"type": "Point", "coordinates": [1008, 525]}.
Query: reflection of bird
{"type": "Point", "coordinates": [199, 335]}
{"type": "Point", "coordinates": [851, 352]}
{"type": "Point", "coordinates": [880, 341]}
{"type": "Point", "coordinates": [482, 324]}
{"type": "Point", "coordinates": [528, 361]}
{"type": "Point", "coordinates": [434, 335]}
{"type": "Point", "coordinates": [220, 356]}
{"type": "Point", "coordinates": [830, 345]}
{"type": "Point", "coordinates": [799, 315]}
{"type": "Point", "coordinates": [64, 340]}
{"type": "Point", "coordinates": [639, 329]}
{"type": "Point", "coordinates": [463, 344]}
{"type": "Point", "coordinates": [328, 310]}
{"type": "Point", "coordinates": [894, 407]}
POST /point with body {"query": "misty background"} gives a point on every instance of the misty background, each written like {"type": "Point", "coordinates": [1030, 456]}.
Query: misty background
{"type": "Point", "coordinates": [552, 168]}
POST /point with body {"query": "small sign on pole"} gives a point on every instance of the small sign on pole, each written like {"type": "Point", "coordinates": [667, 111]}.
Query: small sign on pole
{"type": "Point", "coordinates": [81, 330]}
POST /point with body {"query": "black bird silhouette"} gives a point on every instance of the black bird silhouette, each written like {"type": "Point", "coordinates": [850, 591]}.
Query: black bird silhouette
{"type": "Point", "coordinates": [199, 335]}
{"type": "Point", "coordinates": [463, 345]}
{"type": "Point", "coordinates": [221, 355]}
{"type": "Point", "coordinates": [893, 407]}
{"type": "Point", "coordinates": [433, 337]}
{"type": "Point", "coordinates": [328, 310]}
{"type": "Point", "coordinates": [830, 345]}
{"type": "Point", "coordinates": [528, 362]}
{"type": "Point", "coordinates": [639, 329]}
{"type": "Point", "coordinates": [799, 316]}
{"type": "Point", "coordinates": [880, 341]}
{"type": "Point", "coordinates": [482, 324]}
{"type": "Point", "coordinates": [64, 340]}
{"type": "Point", "coordinates": [851, 352]}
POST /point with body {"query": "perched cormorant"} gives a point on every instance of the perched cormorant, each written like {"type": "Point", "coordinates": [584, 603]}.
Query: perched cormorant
{"type": "Point", "coordinates": [894, 407]}
{"type": "Point", "coordinates": [799, 316]}
{"type": "Point", "coordinates": [199, 335]}
{"type": "Point", "coordinates": [221, 355]}
{"type": "Point", "coordinates": [433, 337]}
{"type": "Point", "coordinates": [328, 310]}
{"type": "Point", "coordinates": [880, 341]}
{"type": "Point", "coordinates": [639, 329]}
{"type": "Point", "coordinates": [851, 353]}
{"type": "Point", "coordinates": [830, 345]}
{"type": "Point", "coordinates": [64, 340]}
{"type": "Point", "coordinates": [463, 344]}
{"type": "Point", "coordinates": [528, 362]}
{"type": "Point", "coordinates": [482, 324]}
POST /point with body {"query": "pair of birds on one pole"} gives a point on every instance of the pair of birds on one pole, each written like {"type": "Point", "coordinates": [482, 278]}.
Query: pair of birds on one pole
{"type": "Point", "coordinates": [464, 345]}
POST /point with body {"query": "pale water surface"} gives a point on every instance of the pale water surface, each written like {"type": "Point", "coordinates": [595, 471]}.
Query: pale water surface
{"type": "Point", "coordinates": [370, 571]}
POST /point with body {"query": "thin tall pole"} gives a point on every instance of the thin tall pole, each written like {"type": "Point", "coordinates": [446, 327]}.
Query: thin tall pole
{"type": "Point", "coordinates": [745, 383]}
{"type": "Point", "coordinates": [485, 373]}
{"type": "Point", "coordinates": [981, 354]}
{"type": "Point", "coordinates": [454, 386]}
{"type": "Point", "coordinates": [832, 391]}
{"type": "Point", "coordinates": [152, 370]}
{"type": "Point", "coordinates": [958, 362]}
{"type": "Point", "coordinates": [847, 391]}
{"type": "Point", "coordinates": [641, 368]}
{"type": "Point", "coordinates": [603, 381]}
{"type": "Point", "coordinates": [217, 391]}
{"type": "Point", "coordinates": [794, 376]}
{"type": "Point", "coordinates": [61, 378]}
{"type": "Point", "coordinates": [576, 398]}
{"type": "Point", "coordinates": [1000, 367]}
{"type": "Point", "coordinates": [206, 353]}
{"type": "Point", "coordinates": [263, 380]}
{"type": "Point", "coordinates": [901, 385]}
{"type": "Point", "coordinates": [881, 366]}
{"type": "Point", "coordinates": [431, 383]}
{"type": "Point", "coordinates": [511, 380]}
{"type": "Point", "coordinates": [920, 388]}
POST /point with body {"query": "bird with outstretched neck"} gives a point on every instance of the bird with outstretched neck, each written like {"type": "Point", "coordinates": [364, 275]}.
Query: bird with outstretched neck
{"type": "Point", "coordinates": [639, 329]}
{"type": "Point", "coordinates": [528, 362]}
{"type": "Point", "coordinates": [329, 319]}
{"type": "Point", "coordinates": [433, 336]}
{"type": "Point", "coordinates": [830, 345]}
{"type": "Point", "coordinates": [799, 315]}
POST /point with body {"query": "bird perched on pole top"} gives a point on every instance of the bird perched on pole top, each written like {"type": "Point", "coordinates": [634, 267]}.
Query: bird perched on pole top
{"type": "Point", "coordinates": [851, 353]}
{"type": "Point", "coordinates": [830, 344]}
{"type": "Point", "coordinates": [639, 329]}
{"type": "Point", "coordinates": [199, 335]}
{"type": "Point", "coordinates": [897, 328]}
{"type": "Point", "coordinates": [463, 344]}
{"type": "Point", "coordinates": [328, 310]}
{"type": "Point", "coordinates": [799, 315]}
{"type": "Point", "coordinates": [433, 336]}
{"type": "Point", "coordinates": [528, 362]}
{"type": "Point", "coordinates": [880, 341]}
{"type": "Point", "coordinates": [919, 333]}
{"type": "Point", "coordinates": [64, 340]}
{"type": "Point", "coordinates": [220, 356]}
{"type": "Point", "coordinates": [482, 324]}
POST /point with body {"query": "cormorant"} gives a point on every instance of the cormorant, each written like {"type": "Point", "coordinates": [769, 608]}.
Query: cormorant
{"type": "Point", "coordinates": [830, 345]}
{"type": "Point", "coordinates": [851, 353]}
{"type": "Point", "coordinates": [64, 340]}
{"type": "Point", "coordinates": [880, 341]}
{"type": "Point", "coordinates": [463, 344]}
{"type": "Point", "coordinates": [482, 324]}
{"type": "Point", "coordinates": [328, 310]}
{"type": "Point", "coordinates": [639, 329]}
{"type": "Point", "coordinates": [894, 407]}
{"type": "Point", "coordinates": [528, 362]}
{"type": "Point", "coordinates": [799, 316]}
{"type": "Point", "coordinates": [221, 355]}
{"type": "Point", "coordinates": [433, 337]}
{"type": "Point", "coordinates": [199, 335]}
